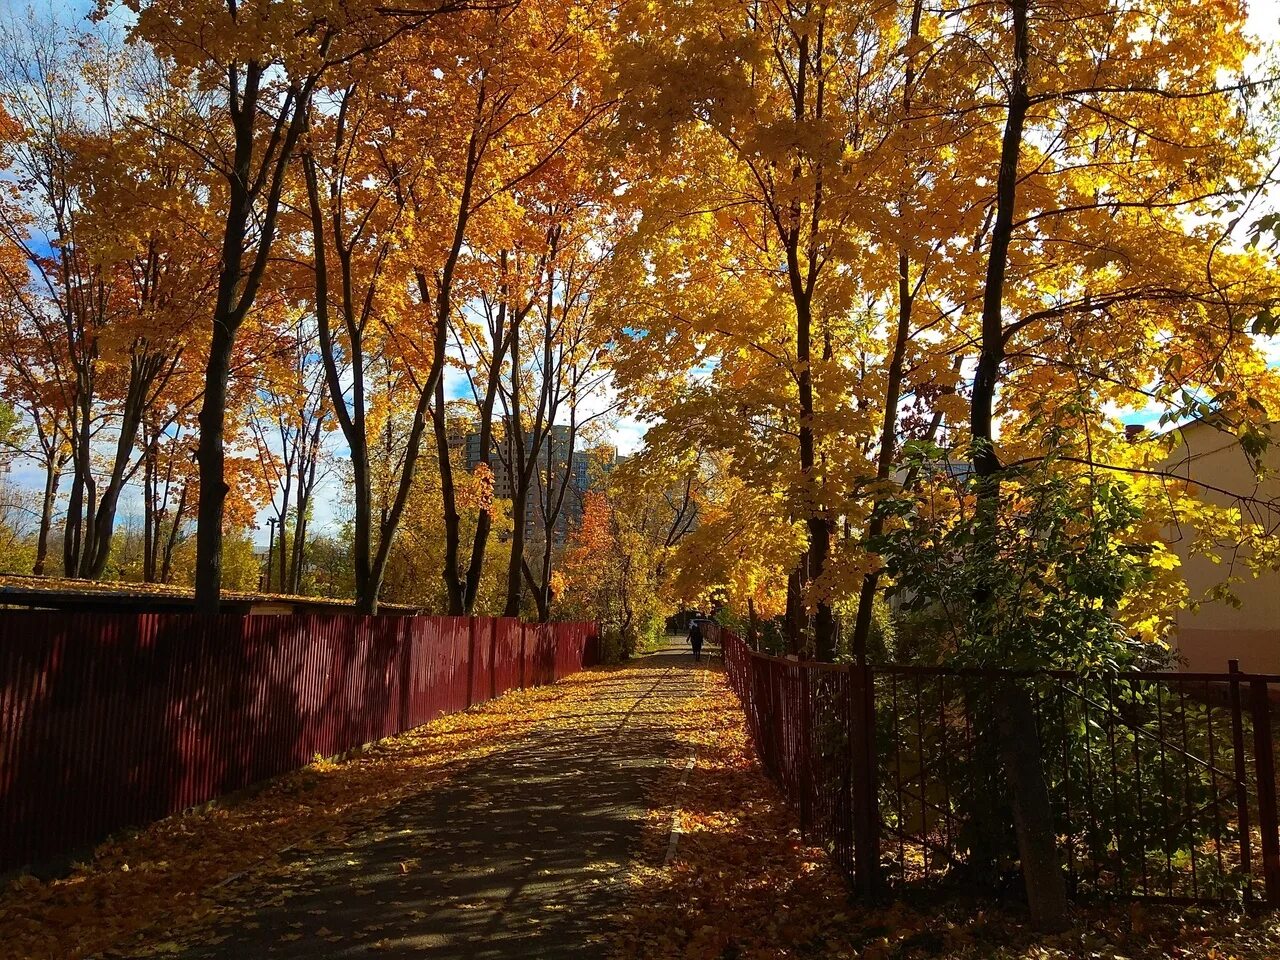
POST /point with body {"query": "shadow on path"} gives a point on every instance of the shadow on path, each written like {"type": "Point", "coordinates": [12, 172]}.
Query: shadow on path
{"type": "Point", "coordinates": [519, 855]}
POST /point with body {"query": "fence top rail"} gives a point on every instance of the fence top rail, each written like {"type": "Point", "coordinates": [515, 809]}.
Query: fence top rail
{"type": "Point", "coordinates": [996, 673]}
{"type": "Point", "coordinates": [1154, 676]}
{"type": "Point", "coordinates": [788, 662]}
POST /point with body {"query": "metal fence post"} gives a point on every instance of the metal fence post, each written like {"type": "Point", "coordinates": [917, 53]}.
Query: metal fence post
{"type": "Point", "coordinates": [866, 815]}
{"type": "Point", "coordinates": [1241, 776]}
{"type": "Point", "coordinates": [1265, 766]}
{"type": "Point", "coordinates": [804, 775]}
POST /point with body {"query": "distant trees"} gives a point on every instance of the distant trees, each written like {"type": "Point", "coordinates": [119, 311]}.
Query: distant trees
{"type": "Point", "coordinates": [227, 252]}
{"type": "Point", "coordinates": [99, 295]}
{"type": "Point", "coordinates": [614, 567]}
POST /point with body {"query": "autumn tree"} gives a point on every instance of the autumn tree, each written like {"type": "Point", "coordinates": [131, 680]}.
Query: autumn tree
{"type": "Point", "coordinates": [770, 114]}
{"type": "Point", "coordinates": [618, 562]}
{"type": "Point", "coordinates": [536, 220]}
{"type": "Point", "coordinates": [498, 94]}
{"type": "Point", "coordinates": [418, 555]}
{"type": "Point", "coordinates": [553, 399]}
{"type": "Point", "coordinates": [728, 543]}
{"type": "Point", "coordinates": [169, 481]}
{"type": "Point", "coordinates": [104, 304]}
{"type": "Point", "coordinates": [1103, 264]}
{"type": "Point", "coordinates": [260, 66]}
{"type": "Point", "coordinates": [27, 379]}
{"type": "Point", "coordinates": [988, 226]}
{"type": "Point", "coordinates": [483, 335]}
{"type": "Point", "coordinates": [290, 422]}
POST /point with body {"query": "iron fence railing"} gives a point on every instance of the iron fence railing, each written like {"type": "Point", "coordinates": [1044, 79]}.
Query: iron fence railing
{"type": "Point", "coordinates": [114, 720]}
{"type": "Point", "coordinates": [1163, 785]}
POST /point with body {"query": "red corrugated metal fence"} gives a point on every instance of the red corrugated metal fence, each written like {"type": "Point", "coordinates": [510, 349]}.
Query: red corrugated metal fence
{"type": "Point", "coordinates": [114, 720]}
{"type": "Point", "coordinates": [508, 654]}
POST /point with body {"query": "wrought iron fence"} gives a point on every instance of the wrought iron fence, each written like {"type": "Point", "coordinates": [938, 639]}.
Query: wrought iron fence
{"type": "Point", "coordinates": [1163, 785]}
{"type": "Point", "coordinates": [802, 718]}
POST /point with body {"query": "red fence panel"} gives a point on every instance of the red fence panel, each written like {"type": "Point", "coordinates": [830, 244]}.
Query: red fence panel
{"type": "Point", "coordinates": [480, 682]}
{"type": "Point", "coordinates": [528, 655]}
{"type": "Point", "coordinates": [566, 638]}
{"type": "Point", "coordinates": [455, 664]}
{"type": "Point", "coordinates": [113, 720]}
{"type": "Point", "coordinates": [508, 655]}
{"type": "Point", "coordinates": [805, 720]}
{"type": "Point", "coordinates": [420, 641]}
{"type": "Point", "coordinates": [539, 654]}
{"type": "Point", "coordinates": [574, 646]}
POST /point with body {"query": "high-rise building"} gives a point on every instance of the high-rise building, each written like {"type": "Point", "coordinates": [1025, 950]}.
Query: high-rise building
{"type": "Point", "coordinates": [560, 456]}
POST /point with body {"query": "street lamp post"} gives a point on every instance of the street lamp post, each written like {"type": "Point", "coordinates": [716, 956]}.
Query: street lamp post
{"type": "Point", "coordinates": [271, 543]}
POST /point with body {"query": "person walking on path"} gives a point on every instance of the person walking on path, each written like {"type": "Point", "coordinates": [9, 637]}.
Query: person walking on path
{"type": "Point", "coordinates": [695, 639]}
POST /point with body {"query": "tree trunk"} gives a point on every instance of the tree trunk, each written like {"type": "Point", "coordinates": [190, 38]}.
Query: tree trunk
{"type": "Point", "coordinates": [553, 508]}
{"type": "Point", "coordinates": [370, 562]}
{"type": "Point", "coordinates": [368, 602]}
{"type": "Point", "coordinates": [297, 552]}
{"type": "Point", "coordinates": [52, 477]}
{"type": "Point", "coordinates": [255, 175]}
{"type": "Point", "coordinates": [81, 491]}
{"type": "Point", "coordinates": [515, 571]}
{"type": "Point", "coordinates": [518, 467]}
{"type": "Point", "coordinates": [892, 395]}
{"type": "Point", "coordinates": [795, 617]}
{"type": "Point", "coordinates": [484, 522]}
{"type": "Point", "coordinates": [166, 567]}
{"type": "Point", "coordinates": [1020, 756]}
{"type": "Point", "coordinates": [150, 514]}
{"type": "Point", "coordinates": [143, 371]}
{"type": "Point", "coordinates": [211, 458]}
{"type": "Point", "coordinates": [282, 515]}
{"type": "Point", "coordinates": [1019, 743]}
{"type": "Point", "coordinates": [816, 520]}
{"type": "Point", "coordinates": [306, 487]}
{"type": "Point", "coordinates": [351, 422]}
{"type": "Point", "coordinates": [453, 583]}
{"type": "Point", "coordinates": [824, 620]}
{"type": "Point", "coordinates": [539, 602]}
{"type": "Point", "coordinates": [885, 459]}
{"type": "Point", "coordinates": [544, 585]}
{"type": "Point", "coordinates": [802, 279]}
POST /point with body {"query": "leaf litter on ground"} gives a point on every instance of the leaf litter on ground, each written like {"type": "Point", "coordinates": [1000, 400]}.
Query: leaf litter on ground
{"type": "Point", "coordinates": [141, 892]}
{"type": "Point", "coordinates": [744, 886]}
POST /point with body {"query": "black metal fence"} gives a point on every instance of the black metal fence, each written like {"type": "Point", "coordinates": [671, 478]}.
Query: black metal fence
{"type": "Point", "coordinates": [1163, 785]}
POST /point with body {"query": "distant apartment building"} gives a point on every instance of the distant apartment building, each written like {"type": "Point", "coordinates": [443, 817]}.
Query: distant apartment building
{"type": "Point", "coordinates": [459, 434]}
{"type": "Point", "coordinates": [556, 459]}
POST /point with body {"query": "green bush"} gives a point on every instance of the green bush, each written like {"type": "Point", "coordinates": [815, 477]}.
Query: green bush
{"type": "Point", "coordinates": [882, 643]}
{"type": "Point", "coordinates": [613, 647]}
{"type": "Point", "coordinates": [618, 644]}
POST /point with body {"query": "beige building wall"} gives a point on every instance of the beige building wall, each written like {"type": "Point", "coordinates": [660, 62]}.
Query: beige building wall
{"type": "Point", "coordinates": [1219, 631]}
